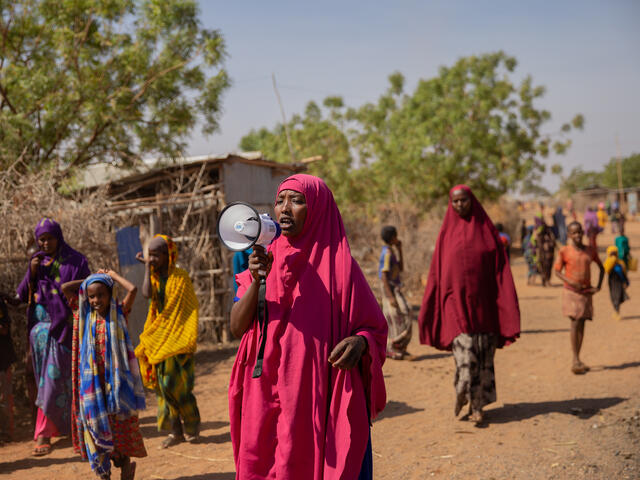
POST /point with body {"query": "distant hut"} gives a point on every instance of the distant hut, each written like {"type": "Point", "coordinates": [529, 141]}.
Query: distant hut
{"type": "Point", "coordinates": [183, 200]}
{"type": "Point", "coordinates": [594, 194]}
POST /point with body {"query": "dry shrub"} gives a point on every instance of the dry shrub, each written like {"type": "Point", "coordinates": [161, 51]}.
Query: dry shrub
{"type": "Point", "coordinates": [418, 231]}
{"type": "Point", "coordinates": [25, 199]}
{"type": "Point", "coordinates": [506, 211]}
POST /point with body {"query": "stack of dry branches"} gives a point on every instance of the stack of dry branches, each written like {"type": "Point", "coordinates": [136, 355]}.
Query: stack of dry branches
{"type": "Point", "coordinates": [25, 199]}
{"type": "Point", "coordinates": [185, 207]}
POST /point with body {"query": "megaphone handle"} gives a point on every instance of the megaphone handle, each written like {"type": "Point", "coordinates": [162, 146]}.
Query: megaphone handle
{"type": "Point", "coordinates": [263, 319]}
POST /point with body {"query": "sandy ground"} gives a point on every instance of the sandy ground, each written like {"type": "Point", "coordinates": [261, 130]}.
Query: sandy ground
{"type": "Point", "coordinates": [546, 424]}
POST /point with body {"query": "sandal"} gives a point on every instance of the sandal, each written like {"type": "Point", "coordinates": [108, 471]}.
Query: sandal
{"type": "Point", "coordinates": [394, 355]}
{"type": "Point", "coordinates": [191, 438]}
{"type": "Point", "coordinates": [171, 440]}
{"type": "Point", "coordinates": [579, 369]}
{"type": "Point", "coordinates": [408, 357]}
{"type": "Point", "coordinates": [477, 418]}
{"type": "Point", "coordinates": [41, 450]}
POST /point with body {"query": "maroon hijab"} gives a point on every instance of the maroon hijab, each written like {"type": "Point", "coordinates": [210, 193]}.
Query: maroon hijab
{"type": "Point", "coordinates": [470, 288]}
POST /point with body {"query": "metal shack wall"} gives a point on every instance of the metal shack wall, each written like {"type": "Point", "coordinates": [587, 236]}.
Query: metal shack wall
{"type": "Point", "coordinates": [254, 184]}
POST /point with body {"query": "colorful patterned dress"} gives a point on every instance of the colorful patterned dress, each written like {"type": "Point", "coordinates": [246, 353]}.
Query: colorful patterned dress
{"type": "Point", "coordinates": [127, 439]}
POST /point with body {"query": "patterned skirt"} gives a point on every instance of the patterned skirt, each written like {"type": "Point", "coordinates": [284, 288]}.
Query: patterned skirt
{"type": "Point", "coordinates": [52, 368]}
{"type": "Point", "coordinates": [399, 323]}
{"type": "Point", "coordinates": [174, 393]}
{"type": "Point", "coordinates": [475, 381]}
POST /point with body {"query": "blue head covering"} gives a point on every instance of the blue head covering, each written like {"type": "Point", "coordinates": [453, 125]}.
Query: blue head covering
{"type": "Point", "coordinates": [97, 277]}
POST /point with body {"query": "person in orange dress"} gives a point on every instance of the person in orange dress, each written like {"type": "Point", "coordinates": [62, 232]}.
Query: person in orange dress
{"type": "Point", "coordinates": [573, 267]}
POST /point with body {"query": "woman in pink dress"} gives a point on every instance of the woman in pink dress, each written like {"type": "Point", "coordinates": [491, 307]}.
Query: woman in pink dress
{"type": "Point", "coordinates": [306, 415]}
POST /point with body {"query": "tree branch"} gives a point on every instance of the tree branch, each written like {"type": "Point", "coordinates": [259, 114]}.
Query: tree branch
{"type": "Point", "coordinates": [146, 84]}
{"type": "Point", "coordinates": [3, 92]}
{"type": "Point", "coordinates": [96, 133]}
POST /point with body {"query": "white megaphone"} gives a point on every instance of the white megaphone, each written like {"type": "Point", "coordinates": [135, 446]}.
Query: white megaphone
{"type": "Point", "coordinates": [240, 227]}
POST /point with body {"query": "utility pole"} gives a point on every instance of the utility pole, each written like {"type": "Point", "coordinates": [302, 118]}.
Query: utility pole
{"type": "Point", "coordinates": [284, 119]}
{"type": "Point", "coordinates": [619, 168]}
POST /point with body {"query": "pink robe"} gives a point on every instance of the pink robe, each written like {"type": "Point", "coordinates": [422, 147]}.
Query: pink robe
{"type": "Point", "coordinates": [304, 419]}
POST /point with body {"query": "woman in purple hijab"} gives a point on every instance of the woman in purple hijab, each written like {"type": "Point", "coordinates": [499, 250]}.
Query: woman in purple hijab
{"type": "Point", "coordinates": [50, 322]}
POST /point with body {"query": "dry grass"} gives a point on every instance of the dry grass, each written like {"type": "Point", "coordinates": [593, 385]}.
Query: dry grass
{"type": "Point", "coordinates": [416, 229]}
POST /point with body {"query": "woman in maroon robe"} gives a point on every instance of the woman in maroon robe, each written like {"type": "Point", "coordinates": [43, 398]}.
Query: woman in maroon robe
{"type": "Point", "coordinates": [470, 304]}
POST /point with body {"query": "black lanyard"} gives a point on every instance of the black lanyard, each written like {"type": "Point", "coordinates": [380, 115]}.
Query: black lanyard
{"type": "Point", "coordinates": [263, 319]}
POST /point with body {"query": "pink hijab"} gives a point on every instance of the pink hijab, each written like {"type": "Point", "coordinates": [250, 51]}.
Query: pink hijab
{"type": "Point", "coordinates": [470, 288]}
{"type": "Point", "coordinates": [304, 419]}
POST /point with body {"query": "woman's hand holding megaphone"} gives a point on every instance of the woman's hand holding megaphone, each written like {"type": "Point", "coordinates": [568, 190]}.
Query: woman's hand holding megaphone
{"type": "Point", "coordinates": [260, 262]}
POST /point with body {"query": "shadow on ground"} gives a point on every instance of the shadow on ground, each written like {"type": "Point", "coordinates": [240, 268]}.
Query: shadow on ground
{"type": "Point", "coordinates": [631, 317]}
{"type": "Point", "coordinates": [622, 366]}
{"type": "Point", "coordinates": [580, 407]}
{"type": "Point", "coordinates": [396, 409]}
{"type": "Point", "coordinates": [551, 330]}
{"type": "Point", "coordinates": [36, 462]}
{"type": "Point", "coordinates": [218, 438]}
{"type": "Point", "coordinates": [151, 431]}
{"type": "Point", "coordinates": [431, 356]}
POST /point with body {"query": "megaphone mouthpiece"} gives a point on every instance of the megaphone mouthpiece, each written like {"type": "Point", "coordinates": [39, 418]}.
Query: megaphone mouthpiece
{"type": "Point", "coordinates": [241, 227]}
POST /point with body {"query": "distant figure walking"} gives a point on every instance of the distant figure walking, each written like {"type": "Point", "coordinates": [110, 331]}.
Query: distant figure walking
{"type": "Point", "coordinates": [470, 304]}
{"type": "Point", "coordinates": [394, 306]}
{"type": "Point", "coordinates": [591, 227]}
{"type": "Point", "coordinates": [559, 226]}
{"type": "Point", "coordinates": [624, 251]}
{"type": "Point", "coordinates": [529, 252]}
{"type": "Point", "coordinates": [544, 243]}
{"type": "Point", "coordinates": [616, 270]}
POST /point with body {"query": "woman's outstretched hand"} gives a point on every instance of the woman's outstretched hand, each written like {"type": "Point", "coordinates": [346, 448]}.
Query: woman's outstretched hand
{"type": "Point", "coordinates": [348, 352]}
{"type": "Point", "coordinates": [260, 262]}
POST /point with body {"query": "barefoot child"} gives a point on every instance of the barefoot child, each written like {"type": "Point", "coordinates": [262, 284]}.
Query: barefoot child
{"type": "Point", "coordinates": [616, 270]}
{"type": "Point", "coordinates": [575, 258]}
{"type": "Point", "coordinates": [395, 307]}
{"type": "Point", "coordinates": [108, 390]}
{"type": "Point", "coordinates": [168, 341]}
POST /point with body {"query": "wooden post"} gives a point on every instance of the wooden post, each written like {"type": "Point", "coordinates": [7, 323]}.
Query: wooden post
{"type": "Point", "coordinates": [284, 119]}
{"type": "Point", "coordinates": [619, 168]}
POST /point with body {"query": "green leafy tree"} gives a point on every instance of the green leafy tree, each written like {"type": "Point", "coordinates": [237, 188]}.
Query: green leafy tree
{"type": "Point", "coordinates": [470, 124]}
{"type": "Point", "coordinates": [579, 179]}
{"type": "Point", "coordinates": [312, 135]}
{"type": "Point", "coordinates": [630, 172]}
{"type": "Point", "coordinates": [114, 80]}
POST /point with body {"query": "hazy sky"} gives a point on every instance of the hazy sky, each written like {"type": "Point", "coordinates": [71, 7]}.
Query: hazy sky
{"type": "Point", "coordinates": [586, 53]}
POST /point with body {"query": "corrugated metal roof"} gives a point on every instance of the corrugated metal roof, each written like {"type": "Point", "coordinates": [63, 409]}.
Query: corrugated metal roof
{"type": "Point", "coordinates": [104, 173]}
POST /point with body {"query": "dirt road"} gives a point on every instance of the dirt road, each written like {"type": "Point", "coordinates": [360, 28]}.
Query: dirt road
{"type": "Point", "coordinates": [546, 424]}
